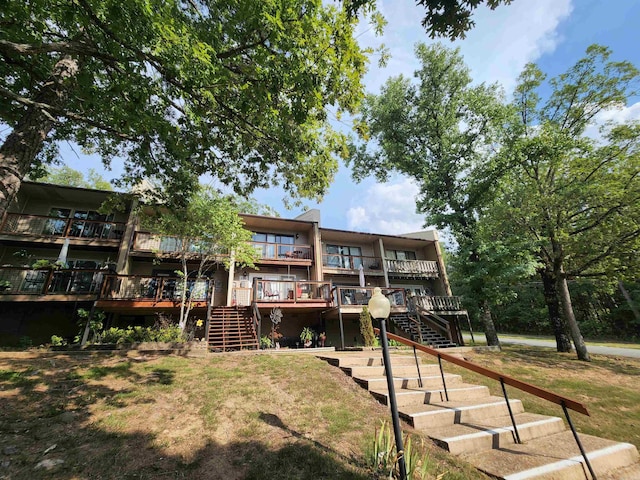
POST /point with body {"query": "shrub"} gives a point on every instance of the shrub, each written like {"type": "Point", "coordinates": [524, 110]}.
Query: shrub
{"type": "Point", "coordinates": [57, 341]}
{"type": "Point", "coordinates": [366, 328]}
{"type": "Point", "coordinates": [140, 334]}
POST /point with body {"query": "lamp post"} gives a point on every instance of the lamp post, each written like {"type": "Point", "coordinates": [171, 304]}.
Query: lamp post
{"type": "Point", "coordinates": [379, 308]}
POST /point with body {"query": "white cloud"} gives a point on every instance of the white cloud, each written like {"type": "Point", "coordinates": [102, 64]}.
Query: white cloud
{"type": "Point", "coordinates": [613, 116]}
{"type": "Point", "coordinates": [387, 208]}
{"type": "Point", "coordinates": [496, 49]}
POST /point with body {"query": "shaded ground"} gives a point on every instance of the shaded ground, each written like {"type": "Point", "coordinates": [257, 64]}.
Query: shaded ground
{"type": "Point", "coordinates": [105, 416]}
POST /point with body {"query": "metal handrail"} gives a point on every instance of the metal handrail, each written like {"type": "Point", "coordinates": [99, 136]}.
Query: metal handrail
{"type": "Point", "coordinates": [525, 387]}
{"type": "Point", "coordinates": [348, 262]}
{"type": "Point", "coordinates": [564, 402]}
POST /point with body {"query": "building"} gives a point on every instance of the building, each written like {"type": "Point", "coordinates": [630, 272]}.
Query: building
{"type": "Point", "coordinates": [59, 253]}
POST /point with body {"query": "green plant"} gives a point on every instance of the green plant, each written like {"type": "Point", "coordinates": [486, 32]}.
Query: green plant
{"type": "Point", "coordinates": [138, 334]}
{"type": "Point", "coordinates": [306, 335]}
{"type": "Point", "coordinates": [265, 342]}
{"type": "Point", "coordinates": [382, 457]}
{"type": "Point", "coordinates": [5, 285]}
{"type": "Point", "coordinates": [57, 341]}
{"type": "Point", "coordinates": [93, 322]}
{"type": "Point", "coordinates": [25, 342]}
{"type": "Point", "coordinates": [366, 328]}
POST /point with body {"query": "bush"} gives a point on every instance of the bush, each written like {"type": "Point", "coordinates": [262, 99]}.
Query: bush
{"type": "Point", "coordinates": [57, 341]}
{"type": "Point", "coordinates": [139, 334]}
{"type": "Point", "coordinates": [366, 328]}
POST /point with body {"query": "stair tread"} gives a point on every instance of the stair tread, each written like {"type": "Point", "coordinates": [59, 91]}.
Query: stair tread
{"type": "Point", "coordinates": [423, 390]}
{"type": "Point", "coordinates": [453, 405]}
{"type": "Point", "coordinates": [544, 455]}
{"type": "Point", "coordinates": [489, 425]}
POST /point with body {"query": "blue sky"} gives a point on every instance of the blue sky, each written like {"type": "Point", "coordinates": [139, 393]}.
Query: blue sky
{"type": "Point", "coordinates": [552, 33]}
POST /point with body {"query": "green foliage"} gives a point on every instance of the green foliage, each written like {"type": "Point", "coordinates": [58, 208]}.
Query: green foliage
{"type": "Point", "coordinates": [306, 335]}
{"type": "Point", "coordinates": [238, 90]}
{"type": "Point", "coordinates": [70, 177]}
{"type": "Point", "coordinates": [138, 334]}
{"type": "Point", "coordinates": [366, 328]}
{"type": "Point", "coordinates": [95, 323]}
{"type": "Point", "coordinates": [265, 342]}
{"type": "Point", "coordinates": [382, 456]}
{"type": "Point", "coordinates": [57, 341]}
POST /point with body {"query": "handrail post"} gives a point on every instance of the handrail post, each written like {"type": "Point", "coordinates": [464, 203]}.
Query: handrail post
{"type": "Point", "coordinates": [575, 435]}
{"type": "Point", "coordinates": [415, 355]}
{"type": "Point", "coordinates": [513, 420]}
{"type": "Point", "coordinates": [444, 383]}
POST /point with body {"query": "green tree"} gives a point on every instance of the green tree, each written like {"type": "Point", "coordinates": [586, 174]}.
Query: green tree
{"type": "Point", "coordinates": [178, 89]}
{"type": "Point", "coordinates": [441, 132]}
{"type": "Point", "coordinates": [68, 176]}
{"type": "Point", "coordinates": [209, 231]}
{"type": "Point", "coordinates": [576, 197]}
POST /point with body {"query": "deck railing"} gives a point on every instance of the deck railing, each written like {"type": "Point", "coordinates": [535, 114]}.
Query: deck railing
{"type": "Point", "coordinates": [346, 296]}
{"type": "Point", "coordinates": [282, 251]}
{"type": "Point", "coordinates": [438, 304]}
{"type": "Point", "coordinates": [285, 291]}
{"type": "Point", "coordinates": [23, 224]}
{"type": "Point", "coordinates": [28, 281]}
{"type": "Point", "coordinates": [152, 288]}
{"type": "Point", "coordinates": [152, 242]}
{"type": "Point", "coordinates": [427, 268]}
{"type": "Point", "coordinates": [351, 262]}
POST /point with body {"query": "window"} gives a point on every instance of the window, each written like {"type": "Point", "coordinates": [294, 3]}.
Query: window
{"type": "Point", "coordinates": [340, 256]}
{"type": "Point", "coordinates": [401, 255]}
{"type": "Point", "coordinates": [272, 241]}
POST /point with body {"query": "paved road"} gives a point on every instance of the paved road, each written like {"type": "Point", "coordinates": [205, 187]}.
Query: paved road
{"type": "Point", "coordinates": [601, 350]}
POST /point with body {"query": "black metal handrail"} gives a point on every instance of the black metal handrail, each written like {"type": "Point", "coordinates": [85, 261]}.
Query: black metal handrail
{"type": "Point", "coordinates": [564, 402]}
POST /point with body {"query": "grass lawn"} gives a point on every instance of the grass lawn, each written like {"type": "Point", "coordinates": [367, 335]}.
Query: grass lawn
{"type": "Point", "coordinates": [481, 340]}
{"type": "Point", "coordinates": [223, 417]}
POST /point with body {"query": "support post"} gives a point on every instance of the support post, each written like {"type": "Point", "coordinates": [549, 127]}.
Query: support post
{"type": "Point", "coordinates": [575, 435]}
{"type": "Point", "coordinates": [341, 328]}
{"type": "Point", "coordinates": [392, 401]}
{"type": "Point", "coordinates": [444, 383]}
{"type": "Point", "coordinates": [513, 420]}
{"type": "Point", "coordinates": [415, 355]}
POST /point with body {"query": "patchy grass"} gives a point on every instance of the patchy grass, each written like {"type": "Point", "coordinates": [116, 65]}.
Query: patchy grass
{"type": "Point", "coordinates": [608, 386]}
{"type": "Point", "coordinates": [481, 340]}
{"type": "Point", "coordinates": [228, 416]}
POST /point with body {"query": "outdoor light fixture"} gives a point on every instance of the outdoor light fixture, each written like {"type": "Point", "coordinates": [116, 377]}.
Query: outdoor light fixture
{"type": "Point", "coordinates": [379, 308]}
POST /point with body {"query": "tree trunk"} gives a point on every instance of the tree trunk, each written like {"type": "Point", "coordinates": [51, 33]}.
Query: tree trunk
{"type": "Point", "coordinates": [489, 327]}
{"type": "Point", "coordinates": [563, 342]}
{"type": "Point", "coordinates": [28, 136]}
{"type": "Point", "coordinates": [567, 309]}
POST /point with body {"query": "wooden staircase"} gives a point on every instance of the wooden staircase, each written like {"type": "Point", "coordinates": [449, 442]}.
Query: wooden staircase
{"type": "Point", "coordinates": [425, 335]}
{"type": "Point", "coordinates": [468, 421]}
{"type": "Point", "coordinates": [231, 328]}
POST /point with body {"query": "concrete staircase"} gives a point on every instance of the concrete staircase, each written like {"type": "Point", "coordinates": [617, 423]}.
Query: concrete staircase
{"type": "Point", "coordinates": [429, 336]}
{"type": "Point", "coordinates": [476, 425]}
{"type": "Point", "coordinates": [231, 328]}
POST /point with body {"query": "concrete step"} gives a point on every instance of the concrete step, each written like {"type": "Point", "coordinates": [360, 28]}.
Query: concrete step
{"type": "Point", "coordinates": [360, 359]}
{"type": "Point", "coordinates": [494, 432]}
{"type": "Point", "coordinates": [631, 472]}
{"type": "Point", "coordinates": [442, 414]}
{"type": "Point", "coordinates": [555, 457]}
{"type": "Point", "coordinates": [419, 396]}
{"type": "Point", "coordinates": [428, 381]}
{"type": "Point", "coordinates": [398, 370]}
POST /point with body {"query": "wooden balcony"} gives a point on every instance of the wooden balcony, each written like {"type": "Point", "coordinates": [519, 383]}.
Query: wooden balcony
{"type": "Point", "coordinates": [281, 253]}
{"type": "Point", "coordinates": [352, 299]}
{"type": "Point", "coordinates": [27, 284]}
{"type": "Point", "coordinates": [151, 291]}
{"type": "Point", "coordinates": [45, 227]}
{"type": "Point", "coordinates": [145, 242]}
{"type": "Point", "coordinates": [439, 304]}
{"type": "Point", "coordinates": [413, 268]}
{"type": "Point", "coordinates": [284, 293]}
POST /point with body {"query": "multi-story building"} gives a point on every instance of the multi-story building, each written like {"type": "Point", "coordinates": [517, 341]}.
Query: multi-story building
{"type": "Point", "coordinates": [59, 253]}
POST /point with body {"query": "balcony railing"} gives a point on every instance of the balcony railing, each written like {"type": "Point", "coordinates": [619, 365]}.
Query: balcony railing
{"type": "Point", "coordinates": [152, 289]}
{"type": "Point", "coordinates": [282, 252]}
{"type": "Point", "coordinates": [290, 291]}
{"type": "Point", "coordinates": [21, 224]}
{"type": "Point", "coordinates": [348, 296]}
{"type": "Point", "coordinates": [438, 304]}
{"type": "Point", "coordinates": [426, 268]}
{"type": "Point", "coordinates": [27, 281]}
{"type": "Point", "coordinates": [351, 262]}
{"type": "Point", "coordinates": [151, 242]}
